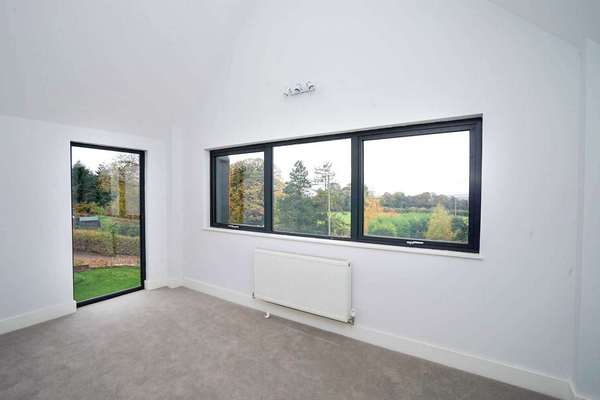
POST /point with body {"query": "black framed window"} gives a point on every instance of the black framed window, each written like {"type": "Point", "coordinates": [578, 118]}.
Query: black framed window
{"type": "Point", "coordinates": [239, 190]}
{"type": "Point", "coordinates": [415, 186]}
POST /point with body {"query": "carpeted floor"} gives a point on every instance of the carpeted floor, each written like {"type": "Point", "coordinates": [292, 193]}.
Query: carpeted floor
{"type": "Point", "coordinates": [180, 344]}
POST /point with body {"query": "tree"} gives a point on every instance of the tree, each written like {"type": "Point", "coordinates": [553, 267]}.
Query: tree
{"type": "Point", "coordinates": [125, 169]}
{"type": "Point", "coordinates": [338, 197]}
{"type": "Point", "coordinates": [346, 198]}
{"type": "Point", "coordinates": [324, 176]}
{"type": "Point", "coordinates": [299, 184]}
{"type": "Point", "coordinates": [394, 200]}
{"type": "Point", "coordinates": [440, 225]}
{"type": "Point", "coordinates": [460, 229]}
{"type": "Point", "coordinates": [297, 210]}
{"type": "Point", "coordinates": [278, 186]}
{"type": "Point", "coordinates": [84, 184]}
{"type": "Point", "coordinates": [278, 183]}
{"type": "Point", "coordinates": [246, 192]}
{"type": "Point", "coordinates": [104, 194]}
{"type": "Point", "coordinates": [427, 200]}
{"type": "Point", "coordinates": [372, 210]}
{"type": "Point", "coordinates": [340, 227]}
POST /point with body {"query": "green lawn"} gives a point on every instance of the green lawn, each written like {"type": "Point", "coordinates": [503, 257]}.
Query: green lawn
{"type": "Point", "coordinates": [100, 281]}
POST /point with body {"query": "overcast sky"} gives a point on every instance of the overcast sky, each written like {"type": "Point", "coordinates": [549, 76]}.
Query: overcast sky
{"type": "Point", "coordinates": [413, 165]}
{"type": "Point", "coordinates": [313, 155]}
{"type": "Point", "coordinates": [417, 164]}
{"type": "Point", "coordinates": [92, 158]}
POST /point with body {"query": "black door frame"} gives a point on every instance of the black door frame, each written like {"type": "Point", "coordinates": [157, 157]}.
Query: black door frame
{"type": "Point", "coordinates": [142, 206]}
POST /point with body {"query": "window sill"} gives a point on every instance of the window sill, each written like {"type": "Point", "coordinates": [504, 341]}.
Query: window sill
{"type": "Point", "coordinates": [333, 242]}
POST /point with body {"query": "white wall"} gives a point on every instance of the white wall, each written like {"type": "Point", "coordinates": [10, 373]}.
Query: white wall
{"type": "Point", "coordinates": [177, 205]}
{"type": "Point", "coordinates": [588, 340]}
{"type": "Point", "coordinates": [400, 62]}
{"type": "Point", "coordinates": [35, 228]}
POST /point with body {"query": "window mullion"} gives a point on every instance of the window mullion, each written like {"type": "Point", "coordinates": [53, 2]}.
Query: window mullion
{"type": "Point", "coordinates": [355, 189]}
{"type": "Point", "coordinates": [268, 188]}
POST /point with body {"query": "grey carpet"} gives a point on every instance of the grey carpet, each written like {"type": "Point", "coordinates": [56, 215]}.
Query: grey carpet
{"type": "Point", "coordinates": [180, 344]}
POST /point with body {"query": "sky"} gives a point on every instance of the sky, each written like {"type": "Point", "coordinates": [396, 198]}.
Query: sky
{"type": "Point", "coordinates": [416, 164]}
{"type": "Point", "coordinates": [313, 155]}
{"type": "Point", "coordinates": [413, 165]}
{"type": "Point", "coordinates": [92, 158]}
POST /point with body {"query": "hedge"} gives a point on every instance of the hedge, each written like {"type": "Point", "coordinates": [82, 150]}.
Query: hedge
{"type": "Point", "coordinates": [102, 243]}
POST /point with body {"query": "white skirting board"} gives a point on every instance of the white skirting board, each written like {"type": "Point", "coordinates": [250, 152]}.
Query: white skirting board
{"type": "Point", "coordinates": [538, 382]}
{"type": "Point", "coordinates": [37, 316]}
{"type": "Point", "coordinates": [159, 283]}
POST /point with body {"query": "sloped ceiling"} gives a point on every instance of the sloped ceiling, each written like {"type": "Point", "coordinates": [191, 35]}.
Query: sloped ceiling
{"type": "Point", "coordinates": [122, 65]}
{"type": "Point", "coordinates": [140, 66]}
{"type": "Point", "coordinates": [571, 20]}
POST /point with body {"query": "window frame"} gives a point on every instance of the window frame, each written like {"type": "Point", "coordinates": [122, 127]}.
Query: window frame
{"type": "Point", "coordinates": [213, 186]}
{"type": "Point", "coordinates": [472, 125]}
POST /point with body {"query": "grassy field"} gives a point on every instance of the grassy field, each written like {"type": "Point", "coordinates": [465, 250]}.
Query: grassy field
{"type": "Point", "coordinates": [100, 281]}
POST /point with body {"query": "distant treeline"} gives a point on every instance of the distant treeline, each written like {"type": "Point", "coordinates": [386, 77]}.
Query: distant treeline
{"type": "Point", "coordinates": [425, 200]}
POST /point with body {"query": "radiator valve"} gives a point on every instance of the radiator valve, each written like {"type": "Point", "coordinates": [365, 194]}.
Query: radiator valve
{"type": "Point", "coordinates": [352, 316]}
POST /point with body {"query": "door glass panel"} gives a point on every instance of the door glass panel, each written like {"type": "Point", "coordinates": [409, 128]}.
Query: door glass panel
{"type": "Point", "coordinates": [106, 216]}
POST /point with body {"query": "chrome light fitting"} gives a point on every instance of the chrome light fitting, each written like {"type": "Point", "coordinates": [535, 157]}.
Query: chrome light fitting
{"type": "Point", "coordinates": [300, 88]}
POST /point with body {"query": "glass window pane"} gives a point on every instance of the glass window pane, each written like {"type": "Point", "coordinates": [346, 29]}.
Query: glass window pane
{"type": "Point", "coordinates": [240, 195]}
{"type": "Point", "coordinates": [311, 188]}
{"type": "Point", "coordinates": [417, 187]}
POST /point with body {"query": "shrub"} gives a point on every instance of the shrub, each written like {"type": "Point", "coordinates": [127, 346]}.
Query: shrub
{"type": "Point", "coordinates": [128, 229]}
{"type": "Point", "coordinates": [440, 225]}
{"type": "Point", "coordinates": [120, 226]}
{"type": "Point", "coordinates": [460, 228]}
{"type": "Point", "coordinates": [105, 243]}
{"type": "Point", "coordinates": [339, 225]}
{"type": "Point", "coordinates": [382, 227]}
{"type": "Point", "coordinates": [128, 245]}
{"type": "Point", "coordinates": [411, 225]}
{"type": "Point", "coordinates": [92, 241]}
{"type": "Point", "coordinates": [84, 209]}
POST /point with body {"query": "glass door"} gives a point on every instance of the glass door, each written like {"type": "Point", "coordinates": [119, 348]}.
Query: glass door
{"type": "Point", "coordinates": [107, 203]}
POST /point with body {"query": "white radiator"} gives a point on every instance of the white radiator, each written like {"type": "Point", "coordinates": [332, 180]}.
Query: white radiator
{"type": "Point", "coordinates": [316, 285]}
